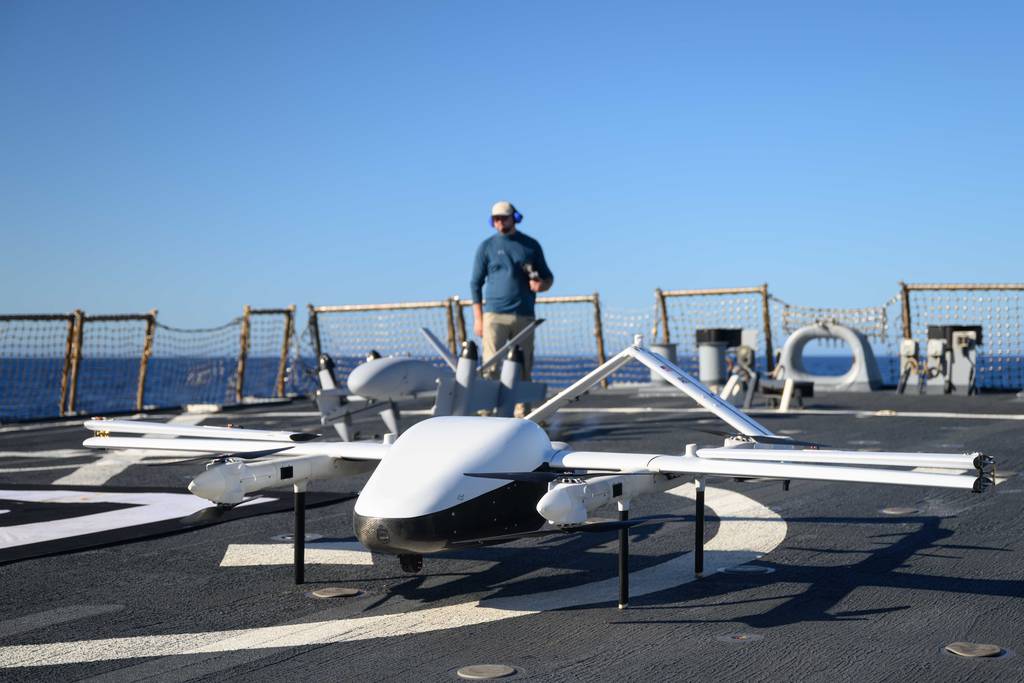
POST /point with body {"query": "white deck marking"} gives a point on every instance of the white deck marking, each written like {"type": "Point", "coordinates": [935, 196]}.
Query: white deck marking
{"type": "Point", "coordinates": [146, 508]}
{"type": "Point", "coordinates": [48, 455]}
{"type": "Point", "coordinates": [40, 468]}
{"type": "Point", "coordinates": [58, 454]}
{"type": "Point", "coordinates": [317, 552]}
{"type": "Point", "coordinates": [61, 615]}
{"type": "Point", "coordinates": [758, 531]}
{"type": "Point", "coordinates": [114, 463]}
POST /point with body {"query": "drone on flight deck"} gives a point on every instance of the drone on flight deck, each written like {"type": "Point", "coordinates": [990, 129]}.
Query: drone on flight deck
{"type": "Point", "coordinates": [456, 481]}
{"type": "Point", "coordinates": [383, 381]}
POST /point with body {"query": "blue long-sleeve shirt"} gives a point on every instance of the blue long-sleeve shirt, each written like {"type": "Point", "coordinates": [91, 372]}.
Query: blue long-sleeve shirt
{"type": "Point", "coordinates": [499, 262]}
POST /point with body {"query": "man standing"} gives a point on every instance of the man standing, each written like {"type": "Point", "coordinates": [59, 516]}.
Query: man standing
{"type": "Point", "coordinates": [513, 266]}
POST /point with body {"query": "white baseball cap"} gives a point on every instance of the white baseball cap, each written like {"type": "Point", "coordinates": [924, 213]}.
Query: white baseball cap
{"type": "Point", "coordinates": [503, 209]}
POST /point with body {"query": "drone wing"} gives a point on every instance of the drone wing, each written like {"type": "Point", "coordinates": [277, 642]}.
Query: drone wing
{"type": "Point", "coordinates": [968, 471]}
{"type": "Point", "coordinates": [222, 440]}
{"type": "Point", "coordinates": [441, 349]}
{"type": "Point", "coordinates": [672, 374]}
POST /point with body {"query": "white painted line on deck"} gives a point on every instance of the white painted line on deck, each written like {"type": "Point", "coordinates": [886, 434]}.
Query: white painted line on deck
{"type": "Point", "coordinates": [758, 530]}
{"type": "Point", "coordinates": [59, 454]}
{"type": "Point", "coordinates": [317, 552]}
{"type": "Point", "coordinates": [61, 615]}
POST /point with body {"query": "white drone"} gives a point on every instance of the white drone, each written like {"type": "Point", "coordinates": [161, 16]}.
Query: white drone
{"type": "Point", "coordinates": [452, 481]}
{"type": "Point", "coordinates": [464, 391]}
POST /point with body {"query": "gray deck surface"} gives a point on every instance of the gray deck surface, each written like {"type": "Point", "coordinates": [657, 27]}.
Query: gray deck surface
{"type": "Point", "coordinates": [855, 594]}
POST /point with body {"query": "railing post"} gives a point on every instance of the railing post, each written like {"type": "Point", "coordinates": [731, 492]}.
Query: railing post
{"type": "Point", "coordinates": [289, 325]}
{"type": "Point", "coordinates": [65, 370]}
{"type": "Point", "coordinates": [461, 320]}
{"type": "Point", "coordinates": [767, 320]}
{"type": "Point", "coordinates": [905, 300]}
{"type": "Point", "coordinates": [662, 315]}
{"type": "Point", "coordinates": [243, 353]}
{"type": "Point", "coordinates": [314, 332]}
{"type": "Point", "coordinates": [147, 351]}
{"type": "Point", "coordinates": [76, 360]}
{"type": "Point", "coordinates": [599, 335]}
{"type": "Point", "coordinates": [450, 319]}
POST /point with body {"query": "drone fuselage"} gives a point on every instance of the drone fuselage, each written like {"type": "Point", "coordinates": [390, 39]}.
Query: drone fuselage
{"type": "Point", "coordinates": [419, 500]}
{"type": "Point", "coordinates": [393, 378]}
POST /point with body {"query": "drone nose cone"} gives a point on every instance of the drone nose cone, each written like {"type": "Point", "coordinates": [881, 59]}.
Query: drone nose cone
{"type": "Point", "coordinates": [215, 486]}
{"type": "Point", "coordinates": [558, 506]}
{"type": "Point", "coordinates": [397, 536]}
{"type": "Point", "coordinates": [208, 485]}
{"type": "Point", "coordinates": [362, 380]}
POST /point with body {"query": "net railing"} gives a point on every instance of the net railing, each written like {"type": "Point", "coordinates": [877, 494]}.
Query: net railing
{"type": "Point", "coordinates": [264, 358]}
{"type": "Point", "coordinates": [79, 364]}
{"type": "Point", "coordinates": [680, 313]}
{"type": "Point", "coordinates": [879, 324]}
{"type": "Point", "coordinates": [109, 363]}
{"type": "Point", "coordinates": [35, 365]}
{"type": "Point", "coordinates": [194, 366]}
{"type": "Point", "coordinates": [569, 343]}
{"type": "Point", "coordinates": [998, 308]}
{"type": "Point", "coordinates": [348, 333]}
{"type": "Point", "coordinates": [620, 329]}
{"type": "Point", "coordinates": [75, 364]}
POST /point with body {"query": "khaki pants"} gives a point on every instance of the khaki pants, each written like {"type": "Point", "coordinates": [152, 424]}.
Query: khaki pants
{"type": "Point", "coordinates": [498, 329]}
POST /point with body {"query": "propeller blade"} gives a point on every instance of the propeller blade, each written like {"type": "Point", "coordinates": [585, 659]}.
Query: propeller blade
{"type": "Point", "coordinates": [547, 476]}
{"type": "Point", "coordinates": [304, 436]}
{"type": "Point", "coordinates": [250, 455]}
{"type": "Point", "coordinates": [767, 440]}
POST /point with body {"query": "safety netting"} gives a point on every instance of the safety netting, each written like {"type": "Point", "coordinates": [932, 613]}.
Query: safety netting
{"type": "Point", "coordinates": [689, 311]}
{"type": "Point", "coordinates": [620, 328]}
{"type": "Point", "coordinates": [878, 324]}
{"type": "Point", "coordinates": [565, 345]}
{"type": "Point", "coordinates": [193, 366]}
{"type": "Point", "coordinates": [34, 365]}
{"type": "Point", "coordinates": [268, 342]}
{"type": "Point", "coordinates": [349, 333]}
{"type": "Point", "coordinates": [1000, 312]}
{"type": "Point", "coordinates": [110, 362]}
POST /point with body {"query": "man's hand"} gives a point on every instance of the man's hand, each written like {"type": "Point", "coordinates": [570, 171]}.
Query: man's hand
{"type": "Point", "coordinates": [478, 319]}
{"type": "Point", "coordinates": [537, 286]}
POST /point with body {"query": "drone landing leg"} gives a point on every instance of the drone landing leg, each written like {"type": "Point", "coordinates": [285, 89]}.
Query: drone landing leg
{"type": "Point", "coordinates": [623, 556]}
{"type": "Point", "coordinates": [300, 533]}
{"type": "Point", "coordinates": [698, 532]}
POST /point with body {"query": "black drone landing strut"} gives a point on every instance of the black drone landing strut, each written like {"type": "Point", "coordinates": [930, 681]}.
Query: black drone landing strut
{"type": "Point", "coordinates": [698, 547]}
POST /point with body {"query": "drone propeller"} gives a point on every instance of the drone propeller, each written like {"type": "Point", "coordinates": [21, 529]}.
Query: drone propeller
{"type": "Point", "coordinates": [221, 457]}
{"type": "Point", "coordinates": [593, 527]}
{"type": "Point", "coordinates": [767, 440]}
{"type": "Point", "coordinates": [547, 476]}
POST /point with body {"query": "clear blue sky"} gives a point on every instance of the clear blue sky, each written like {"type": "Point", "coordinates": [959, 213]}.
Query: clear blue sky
{"type": "Point", "coordinates": [195, 156]}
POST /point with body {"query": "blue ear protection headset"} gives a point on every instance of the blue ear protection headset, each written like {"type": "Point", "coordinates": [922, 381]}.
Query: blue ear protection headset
{"type": "Point", "coordinates": [516, 216]}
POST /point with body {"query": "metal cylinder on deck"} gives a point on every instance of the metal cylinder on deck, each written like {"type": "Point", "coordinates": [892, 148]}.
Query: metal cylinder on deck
{"type": "Point", "coordinates": [667, 350]}
{"type": "Point", "coordinates": [712, 344]}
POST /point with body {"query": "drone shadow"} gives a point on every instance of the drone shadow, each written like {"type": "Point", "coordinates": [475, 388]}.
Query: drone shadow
{"type": "Point", "coordinates": [513, 571]}
{"type": "Point", "coordinates": [557, 563]}
{"type": "Point", "coordinates": [826, 587]}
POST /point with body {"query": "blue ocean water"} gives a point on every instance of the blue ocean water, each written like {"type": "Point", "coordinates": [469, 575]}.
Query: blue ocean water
{"type": "Point", "coordinates": [30, 387]}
